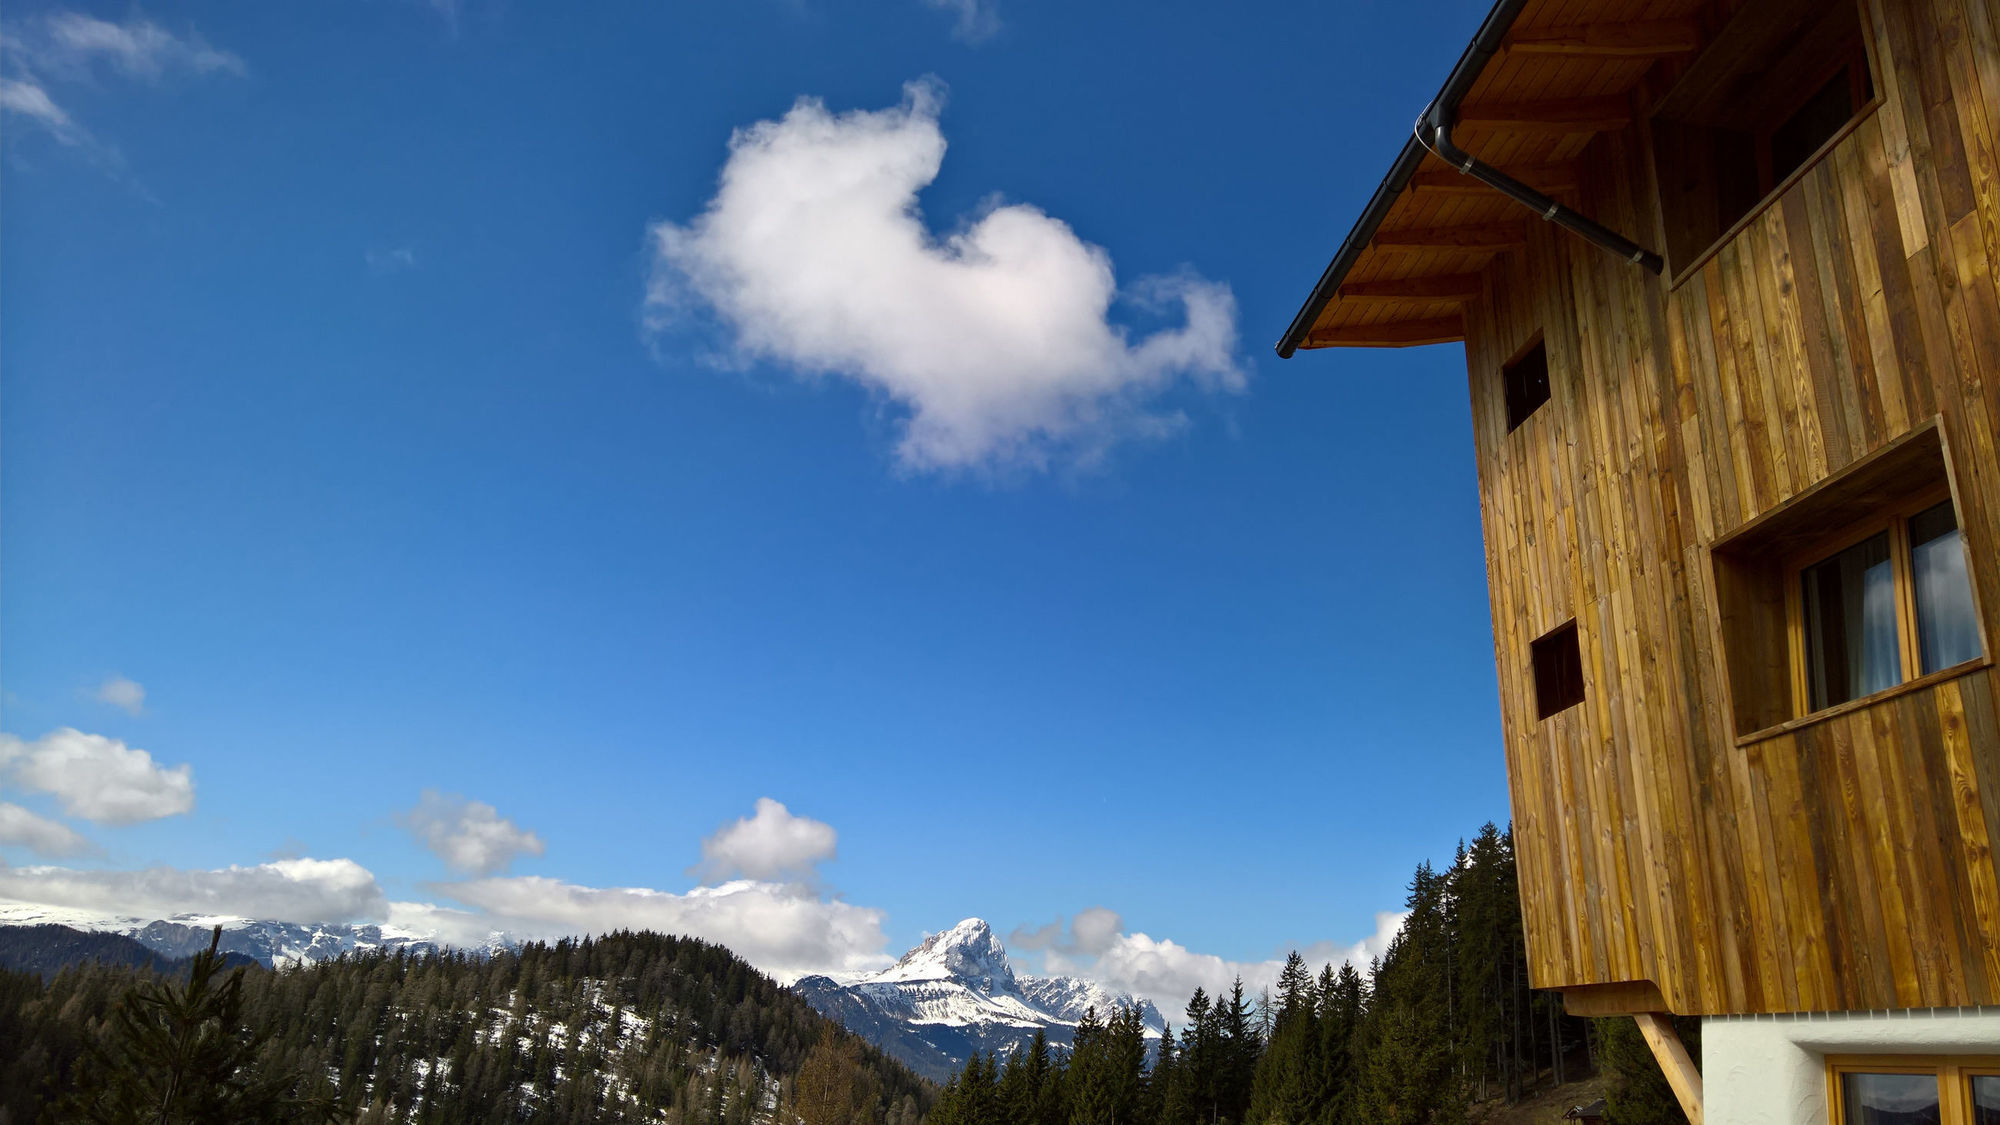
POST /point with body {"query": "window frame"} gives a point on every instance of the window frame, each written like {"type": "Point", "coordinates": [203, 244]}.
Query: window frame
{"type": "Point", "coordinates": [1683, 265]}
{"type": "Point", "coordinates": [1862, 94]}
{"type": "Point", "coordinates": [1507, 370]}
{"type": "Point", "coordinates": [1954, 1077]}
{"type": "Point", "coordinates": [1894, 519]}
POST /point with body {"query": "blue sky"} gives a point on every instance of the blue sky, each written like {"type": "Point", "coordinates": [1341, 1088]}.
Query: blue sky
{"type": "Point", "coordinates": [403, 397]}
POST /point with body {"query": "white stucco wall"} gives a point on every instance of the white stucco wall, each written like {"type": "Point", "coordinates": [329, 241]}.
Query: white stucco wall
{"type": "Point", "coordinates": [1771, 1070]}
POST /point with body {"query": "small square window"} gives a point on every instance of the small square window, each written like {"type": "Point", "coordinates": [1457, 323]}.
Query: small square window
{"type": "Point", "coordinates": [1558, 671]}
{"type": "Point", "coordinates": [1527, 380]}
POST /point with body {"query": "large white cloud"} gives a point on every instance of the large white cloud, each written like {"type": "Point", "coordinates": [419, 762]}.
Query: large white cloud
{"type": "Point", "coordinates": [773, 844]}
{"type": "Point", "coordinates": [782, 929]}
{"type": "Point", "coordinates": [292, 890]}
{"type": "Point", "coordinates": [995, 340]}
{"type": "Point", "coordinates": [470, 836]}
{"type": "Point", "coordinates": [39, 834]}
{"type": "Point", "coordinates": [1167, 973]}
{"type": "Point", "coordinates": [98, 778]}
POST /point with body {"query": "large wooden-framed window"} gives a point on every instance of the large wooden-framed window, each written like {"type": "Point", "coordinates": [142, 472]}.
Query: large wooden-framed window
{"type": "Point", "coordinates": [1885, 601]}
{"type": "Point", "coordinates": [1777, 87]}
{"type": "Point", "coordinates": [1853, 590]}
{"type": "Point", "coordinates": [1913, 1090]}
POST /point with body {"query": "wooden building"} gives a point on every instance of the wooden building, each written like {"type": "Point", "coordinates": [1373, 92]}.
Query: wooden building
{"type": "Point", "coordinates": [1737, 414]}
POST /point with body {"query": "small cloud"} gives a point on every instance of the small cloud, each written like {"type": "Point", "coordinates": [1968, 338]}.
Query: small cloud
{"type": "Point", "coordinates": [41, 835]}
{"type": "Point", "coordinates": [471, 837]}
{"type": "Point", "coordinates": [773, 844]}
{"type": "Point", "coordinates": [977, 21]}
{"type": "Point", "coordinates": [392, 260]}
{"type": "Point", "coordinates": [137, 48]}
{"type": "Point", "coordinates": [27, 98]}
{"type": "Point", "coordinates": [97, 778]}
{"type": "Point", "coordinates": [126, 695]}
{"type": "Point", "coordinates": [70, 47]}
{"type": "Point", "coordinates": [995, 342]}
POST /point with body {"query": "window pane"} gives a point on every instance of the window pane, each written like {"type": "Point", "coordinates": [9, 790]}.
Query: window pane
{"type": "Point", "coordinates": [1890, 1099]}
{"type": "Point", "coordinates": [1850, 611]}
{"type": "Point", "coordinates": [1947, 630]}
{"type": "Point", "coordinates": [1986, 1100]}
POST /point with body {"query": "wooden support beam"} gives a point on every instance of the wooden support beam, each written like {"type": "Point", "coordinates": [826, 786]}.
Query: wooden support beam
{"type": "Point", "coordinates": [1449, 287]}
{"type": "Point", "coordinates": [1561, 116]}
{"type": "Point", "coordinates": [1549, 179]}
{"type": "Point", "coordinates": [1483, 238]}
{"type": "Point", "coordinates": [1621, 998]}
{"type": "Point", "coordinates": [1391, 334]}
{"type": "Point", "coordinates": [1672, 1056]}
{"type": "Point", "coordinates": [1643, 39]}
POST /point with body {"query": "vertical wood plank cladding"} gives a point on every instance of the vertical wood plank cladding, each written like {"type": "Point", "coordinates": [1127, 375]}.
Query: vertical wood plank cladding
{"type": "Point", "coordinates": [1849, 863]}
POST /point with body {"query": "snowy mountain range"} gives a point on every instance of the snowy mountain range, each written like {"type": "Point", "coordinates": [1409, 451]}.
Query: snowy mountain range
{"type": "Point", "coordinates": [952, 995]}
{"type": "Point", "coordinates": [272, 944]}
{"type": "Point", "coordinates": [956, 994]}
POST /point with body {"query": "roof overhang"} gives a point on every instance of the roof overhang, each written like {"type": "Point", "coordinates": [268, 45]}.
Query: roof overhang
{"type": "Point", "coordinates": [1538, 82]}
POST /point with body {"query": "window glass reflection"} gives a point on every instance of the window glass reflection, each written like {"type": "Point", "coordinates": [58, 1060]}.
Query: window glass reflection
{"type": "Point", "coordinates": [1890, 1099]}
{"type": "Point", "coordinates": [1947, 628]}
{"type": "Point", "coordinates": [1850, 612]}
{"type": "Point", "coordinates": [1986, 1100]}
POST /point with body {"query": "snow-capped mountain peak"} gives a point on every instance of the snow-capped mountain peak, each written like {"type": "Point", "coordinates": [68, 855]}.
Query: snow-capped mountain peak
{"type": "Point", "coordinates": [272, 943]}
{"type": "Point", "coordinates": [954, 994]}
{"type": "Point", "coordinates": [967, 953]}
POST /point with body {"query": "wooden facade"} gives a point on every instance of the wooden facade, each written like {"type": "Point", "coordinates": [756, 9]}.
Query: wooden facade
{"type": "Point", "coordinates": [1687, 840]}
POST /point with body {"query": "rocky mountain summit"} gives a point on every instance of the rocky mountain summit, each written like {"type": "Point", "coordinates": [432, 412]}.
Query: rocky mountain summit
{"type": "Point", "coordinates": [955, 994]}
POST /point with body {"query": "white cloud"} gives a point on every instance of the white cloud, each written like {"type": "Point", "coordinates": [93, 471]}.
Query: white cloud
{"type": "Point", "coordinates": [1166, 972]}
{"type": "Point", "coordinates": [136, 48]}
{"type": "Point", "coordinates": [395, 259]}
{"type": "Point", "coordinates": [772, 844]}
{"type": "Point", "coordinates": [27, 97]}
{"type": "Point", "coordinates": [995, 340]}
{"type": "Point", "coordinates": [977, 21]}
{"type": "Point", "coordinates": [39, 834]}
{"type": "Point", "coordinates": [782, 929]}
{"type": "Point", "coordinates": [71, 47]}
{"type": "Point", "coordinates": [470, 836]}
{"type": "Point", "coordinates": [126, 695]}
{"type": "Point", "coordinates": [98, 778]}
{"type": "Point", "coordinates": [292, 890]}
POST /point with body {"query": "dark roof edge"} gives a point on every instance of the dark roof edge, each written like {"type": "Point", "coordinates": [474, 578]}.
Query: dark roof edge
{"type": "Point", "coordinates": [1482, 48]}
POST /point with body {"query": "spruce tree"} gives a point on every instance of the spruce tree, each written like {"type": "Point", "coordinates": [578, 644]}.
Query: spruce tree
{"type": "Point", "coordinates": [179, 1055]}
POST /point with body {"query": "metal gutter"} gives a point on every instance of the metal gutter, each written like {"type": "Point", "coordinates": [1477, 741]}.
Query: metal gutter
{"type": "Point", "coordinates": [1477, 53]}
{"type": "Point", "coordinates": [1433, 133]}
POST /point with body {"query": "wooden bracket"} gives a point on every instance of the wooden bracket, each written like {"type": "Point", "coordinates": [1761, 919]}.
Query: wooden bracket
{"type": "Point", "coordinates": [1674, 1061]}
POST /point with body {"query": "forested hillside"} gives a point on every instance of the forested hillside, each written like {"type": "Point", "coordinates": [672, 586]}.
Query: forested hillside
{"type": "Point", "coordinates": [48, 949]}
{"type": "Point", "coordinates": [1444, 1022]}
{"type": "Point", "coordinates": [627, 1027]}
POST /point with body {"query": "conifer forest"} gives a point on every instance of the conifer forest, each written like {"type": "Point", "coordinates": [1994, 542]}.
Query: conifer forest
{"type": "Point", "coordinates": [641, 1027]}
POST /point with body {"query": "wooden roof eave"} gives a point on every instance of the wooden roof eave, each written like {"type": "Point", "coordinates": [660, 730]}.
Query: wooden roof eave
{"type": "Point", "coordinates": [1470, 64]}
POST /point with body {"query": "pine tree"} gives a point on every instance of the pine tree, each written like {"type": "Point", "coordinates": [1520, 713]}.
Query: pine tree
{"type": "Point", "coordinates": [178, 1054]}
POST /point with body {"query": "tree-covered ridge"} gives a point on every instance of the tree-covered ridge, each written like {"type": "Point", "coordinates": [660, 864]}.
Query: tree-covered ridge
{"type": "Point", "coordinates": [1444, 1020]}
{"type": "Point", "coordinates": [626, 1027]}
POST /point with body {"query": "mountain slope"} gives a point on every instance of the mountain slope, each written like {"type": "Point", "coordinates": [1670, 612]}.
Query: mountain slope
{"type": "Point", "coordinates": [47, 949]}
{"type": "Point", "coordinates": [955, 994]}
{"type": "Point", "coordinates": [623, 1028]}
